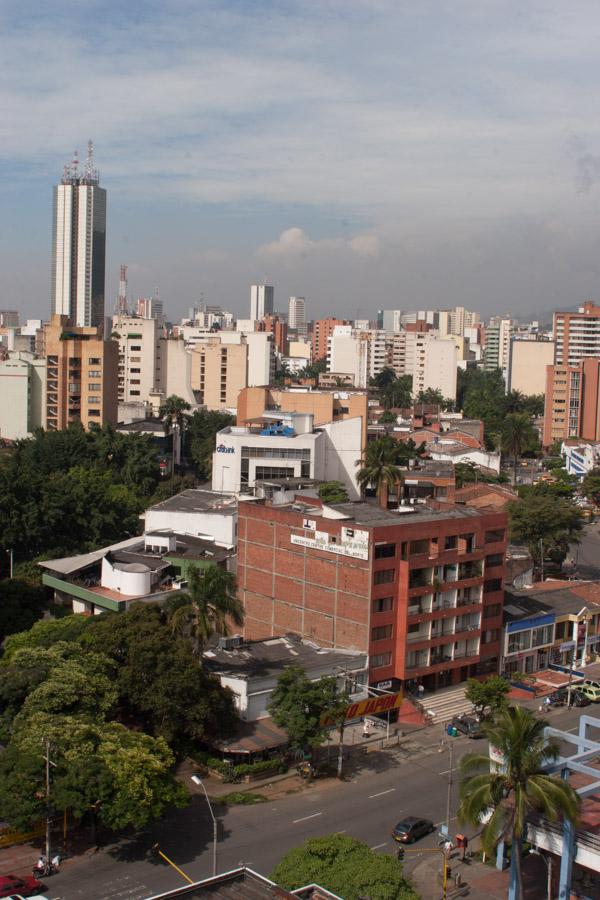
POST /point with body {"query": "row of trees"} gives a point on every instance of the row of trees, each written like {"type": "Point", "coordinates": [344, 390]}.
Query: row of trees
{"type": "Point", "coordinates": [119, 697]}
{"type": "Point", "coordinates": [482, 395]}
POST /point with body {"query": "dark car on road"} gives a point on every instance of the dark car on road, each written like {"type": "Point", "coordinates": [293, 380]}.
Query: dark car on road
{"type": "Point", "coordinates": [12, 884]}
{"type": "Point", "coordinates": [559, 697]}
{"type": "Point", "coordinates": [410, 829]}
{"type": "Point", "coordinates": [468, 725]}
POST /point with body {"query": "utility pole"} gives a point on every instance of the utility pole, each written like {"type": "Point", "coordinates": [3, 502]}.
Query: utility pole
{"type": "Point", "coordinates": [48, 764]}
{"type": "Point", "coordinates": [542, 558]}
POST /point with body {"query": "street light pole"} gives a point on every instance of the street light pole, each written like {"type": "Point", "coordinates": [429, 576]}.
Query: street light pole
{"type": "Point", "coordinates": [449, 794]}
{"type": "Point", "coordinates": [197, 780]}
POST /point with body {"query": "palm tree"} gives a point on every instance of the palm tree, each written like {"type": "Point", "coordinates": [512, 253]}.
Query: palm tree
{"type": "Point", "coordinates": [521, 787]}
{"type": "Point", "coordinates": [517, 435]}
{"type": "Point", "coordinates": [209, 604]}
{"type": "Point", "coordinates": [380, 467]}
{"type": "Point", "coordinates": [173, 413]}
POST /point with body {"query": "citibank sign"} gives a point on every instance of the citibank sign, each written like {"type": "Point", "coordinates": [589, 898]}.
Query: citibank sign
{"type": "Point", "coordinates": [222, 448]}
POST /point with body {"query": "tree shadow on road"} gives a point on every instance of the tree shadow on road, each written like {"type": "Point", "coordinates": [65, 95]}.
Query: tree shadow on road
{"type": "Point", "coordinates": [182, 835]}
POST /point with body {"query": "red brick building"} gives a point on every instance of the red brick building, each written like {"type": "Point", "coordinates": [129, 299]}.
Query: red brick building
{"type": "Point", "coordinates": [420, 590]}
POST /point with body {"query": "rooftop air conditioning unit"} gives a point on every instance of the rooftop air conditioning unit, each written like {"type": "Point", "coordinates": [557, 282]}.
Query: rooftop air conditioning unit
{"type": "Point", "coordinates": [230, 643]}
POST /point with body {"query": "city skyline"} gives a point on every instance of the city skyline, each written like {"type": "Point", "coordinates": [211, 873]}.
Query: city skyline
{"type": "Point", "coordinates": [456, 165]}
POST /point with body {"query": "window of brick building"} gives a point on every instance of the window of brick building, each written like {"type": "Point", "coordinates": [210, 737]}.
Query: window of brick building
{"type": "Point", "coordinates": [381, 632]}
{"type": "Point", "coordinates": [383, 604]}
{"type": "Point", "coordinates": [380, 660]}
{"type": "Point", "coordinates": [384, 576]}
{"type": "Point", "coordinates": [385, 551]}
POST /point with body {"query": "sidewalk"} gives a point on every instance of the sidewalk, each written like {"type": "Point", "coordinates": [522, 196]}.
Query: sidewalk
{"type": "Point", "coordinates": [483, 881]}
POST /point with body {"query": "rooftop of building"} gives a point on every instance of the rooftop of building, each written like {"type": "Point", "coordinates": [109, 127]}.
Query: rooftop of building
{"type": "Point", "coordinates": [243, 884]}
{"type": "Point", "coordinates": [199, 500]}
{"type": "Point", "coordinates": [373, 515]}
{"type": "Point", "coordinates": [484, 494]}
{"type": "Point", "coordinates": [559, 597]}
{"type": "Point", "coordinates": [261, 659]}
{"type": "Point", "coordinates": [144, 426]}
{"type": "Point", "coordinates": [132, 553]}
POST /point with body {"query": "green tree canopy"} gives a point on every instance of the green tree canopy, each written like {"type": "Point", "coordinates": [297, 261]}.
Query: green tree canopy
{"type": "Point", "coordinates": [202, 427]}
{"type": "Point", "coordinates": [552, 521]}
{"type": "Point", "coordinates": [297, 704]}
{"type": "Point", "coordinates": [517, 435]}
{"type": "Point", "coordinates": [522, 787]}
{"type": "Point", "coordinates": [345, 866]}
{"type": "Point", "coordinates": [333, 492]}
{"type": "Point", "coordinates": [21, 605]}
{"type": "Point", "coordinates": [590, 486]}
{"type": "Point", "coordinates": [489, 696]}
{"type": "Point", "coordinates": [208, 606]}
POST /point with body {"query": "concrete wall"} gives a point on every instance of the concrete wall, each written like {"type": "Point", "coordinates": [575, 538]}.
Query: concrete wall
{"type": "Point", "coordinates": [527, 367]}
{"type": "Point", "coordinates": [210, 524]}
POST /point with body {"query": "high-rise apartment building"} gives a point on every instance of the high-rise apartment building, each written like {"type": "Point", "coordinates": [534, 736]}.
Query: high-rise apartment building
{"type": "Point", "coordinates": [527, 365]}
{"type": "Point", "coordinates": [322, 331]}
{"type": "Point", "coordinates": [577, 334]}
{"type": "Point", "coordinates": [151, 308]}
{"type": "Point", "coordinates": [261, 301]}
{"type": "Point", "coordinates": [497, 345]}
{"type": "Point", "coordinates": [454, 321]}
{"type": "Point", "coordinates": [81, 375]}
{"type": "Point", "coordinates": [139, 357]}
{"type": "Point", "coordinates": [297, 314]}
{"type": "Point", "coordinates": [79, 245]}
{"type": "Point", "coordinates": [219, 373]}
{"type": "Point", "coordinates": [572, 404]}
{"type": "Point", "coordinates": [23, 392]}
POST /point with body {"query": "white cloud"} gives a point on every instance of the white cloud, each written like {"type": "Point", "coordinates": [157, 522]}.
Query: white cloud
{"type": "Point", "coordinates": [293, 244]}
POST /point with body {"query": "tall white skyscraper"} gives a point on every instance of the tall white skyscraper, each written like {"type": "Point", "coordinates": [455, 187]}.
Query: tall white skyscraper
{"type": "Point", "coordinates": [261, 301]}
{"type": "Point", "coordinates": [79, 244]}
{"type": "Point", "coordinates": [297, 314]}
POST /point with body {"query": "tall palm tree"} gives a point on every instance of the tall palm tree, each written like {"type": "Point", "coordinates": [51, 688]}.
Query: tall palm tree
{"type": "Point", "coordinates": [173, 413]}
{"type": "Point", "coordinates": [522, 786]}
{"type": "Point", "coordinates": [379, 467]}
{"type": "Point", "coordinates": [209, 604]}
{"type": "Point", "coordinates": [517, 435]}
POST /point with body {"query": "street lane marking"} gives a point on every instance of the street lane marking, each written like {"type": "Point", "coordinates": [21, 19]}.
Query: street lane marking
{"type": "Point", "coordinates": [446, 772]}
{"type": "Point", "coordinates": [342, 832]}
{"type": "Point", "coordinates": [304, 818]}
{"type": "Point", "coordinates": [381, 793]}
{"type": "Point", "coordinates": [379, 846]}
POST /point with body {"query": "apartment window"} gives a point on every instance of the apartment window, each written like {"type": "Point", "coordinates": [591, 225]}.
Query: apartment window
{"type": "Point", "coordinates": [135, 381]}
{"type": "Point", "coordinates": [491, 611]}
{"type": "Point", "coordinates": [493, 585]}
{"type": "Point", "coordinates": [93, 399]}
{"type": "Point", "coordinates": [494, 537]}
{"type": "Point", "coordinates": [136, 349]}
{"type": "Point", "coordinates": [384, 576]}
{"type": "Point", "coordinates": [134, 393]}
{"type": "Point", "coordinates": [135, 371]}
{"type": "Point", "coordinates": [383, 604]}
{"type": "Point", "coordinates": [385, 551]}
{"type": "Point", "coordinates": [94, 386]}
{"type": "Point", "coordinates": [94, 373]}
{"type": "Point", "coordinates": [496, 559]}
{"type": "Point", "coordinates": [263, 472]}
{"type": "Point", "coordinates": [541, 636]}
{"type": "Point", "coordinates": [519, 641]}
{"type": "Point", "coordinates": [490, 636]}
{"type": "Point", "coordinates": [135, 359]}
{"type": "Point", "coordinates": [380, 660]}
{"type": "Point", "coordinates": [94, 361]}
{"type": "Point", "coordinates": [561, 631]}
{"type": "Point", "coordinates": [451, 542]}
{"type": "Point", "coordinates": [94, 413]}
{"type": "Point", "coordinates": [381, 632]}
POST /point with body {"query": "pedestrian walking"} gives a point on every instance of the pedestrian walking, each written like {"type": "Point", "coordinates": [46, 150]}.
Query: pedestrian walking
{"type": "Point", "coordinates": [366, 728]}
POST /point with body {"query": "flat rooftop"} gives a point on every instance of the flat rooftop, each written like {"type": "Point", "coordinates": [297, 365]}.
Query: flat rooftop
{"type": "Point", "coordinates": [373, 515]}
{"type": "Point", "coordinates": [260, 659]}
{"type": "Point", "coordinates": [199, 500]}
{"type": "Point", "coordinates": [560, 597]}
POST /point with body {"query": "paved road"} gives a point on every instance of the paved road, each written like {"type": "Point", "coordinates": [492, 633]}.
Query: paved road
{"type": "Point", "coordinates": [587, 553]}
{"type": "Point", "coordinates": [388, 787]}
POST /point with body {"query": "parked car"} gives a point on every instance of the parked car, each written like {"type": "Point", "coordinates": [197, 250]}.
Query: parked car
{"type": "Point", "coordinates": [410, 829]}
{"type": "Point", "coordinates": [468, 725]}
{"type": "Point", "coordinates": [589, 691]}
{"type": "Point", "coordinates": [559, 697]}
{"type": "Point", "coordinates": [31, 897]}
{"type": "Point", "coordinates": [26, 887]}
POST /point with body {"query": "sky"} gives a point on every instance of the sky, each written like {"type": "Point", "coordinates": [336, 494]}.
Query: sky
{"type": "Point", "coordinates": [364, 155]}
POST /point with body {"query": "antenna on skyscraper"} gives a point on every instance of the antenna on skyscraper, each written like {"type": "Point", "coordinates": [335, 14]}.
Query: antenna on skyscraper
{"type": "Point", "coordinates": [121, 305]}
{"type": "Point", "coordinates": [90, 173]}
{"type": "Point", "coordinates": [74, 164]}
